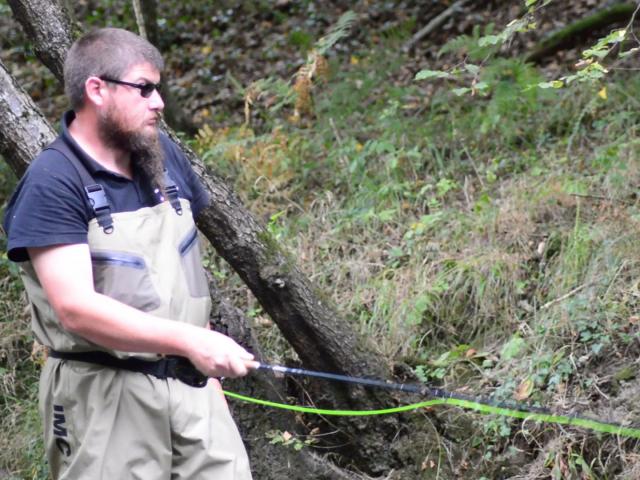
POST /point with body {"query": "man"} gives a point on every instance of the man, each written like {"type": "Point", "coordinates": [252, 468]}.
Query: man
{"type": "Point", "coordinates": [102, 223]}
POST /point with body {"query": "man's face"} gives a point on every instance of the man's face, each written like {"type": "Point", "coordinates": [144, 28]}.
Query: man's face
{"type": "Point", "coordinates": [127, 115]}
{"type": "Point", "coordinates": [129, 122]}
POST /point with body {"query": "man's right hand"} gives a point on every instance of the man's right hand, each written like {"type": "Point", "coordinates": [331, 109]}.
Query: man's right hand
{"type": "Point", "coordinates": [217, 355]}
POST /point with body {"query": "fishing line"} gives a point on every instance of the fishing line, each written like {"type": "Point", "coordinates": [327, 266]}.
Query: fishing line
{"type": "Point", "coordinates": [441, 397]}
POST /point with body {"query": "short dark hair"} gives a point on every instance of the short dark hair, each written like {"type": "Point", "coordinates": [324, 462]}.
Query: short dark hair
{"type": "Point", "coordinates": [108, 52]}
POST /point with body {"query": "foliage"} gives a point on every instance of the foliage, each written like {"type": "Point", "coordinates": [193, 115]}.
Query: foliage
{"type": "Point", "coordinates": [287, 439]}
{"type": "Point", "coordinates": [21, 450]}
{"type": "Point", "coordinates": [482, 234]}
{"type": "Point", "coordinates": [461, 237]}
{"type": "Point", "coordinates": [486, 46]}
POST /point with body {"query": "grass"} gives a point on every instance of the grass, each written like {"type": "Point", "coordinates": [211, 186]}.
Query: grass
{"type": "Point", "coordinates": [486, 244]}
{"type": "Point", "coordinates": [21, 450]}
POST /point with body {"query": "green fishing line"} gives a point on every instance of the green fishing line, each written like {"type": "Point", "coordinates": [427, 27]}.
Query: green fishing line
{"type": "Point", "coordinates": [583, 422]}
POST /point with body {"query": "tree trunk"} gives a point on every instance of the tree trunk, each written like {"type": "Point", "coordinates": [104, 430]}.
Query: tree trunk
{"type": "Point", "coordinates": [150, 17]}
{"type": "Point", "coordinates": [49, 26]}
{"type": "Point", "coordinates": [24, 130]}
{"type": "Point", "coordinates": [322, 340]}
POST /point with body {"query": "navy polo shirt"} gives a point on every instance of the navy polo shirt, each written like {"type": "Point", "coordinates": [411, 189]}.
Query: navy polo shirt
{"type": "Point", "coordinates": [49, 205]}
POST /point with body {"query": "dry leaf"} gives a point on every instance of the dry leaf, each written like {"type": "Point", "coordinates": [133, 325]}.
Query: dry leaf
{"type": "Point", "coordinates": [524, 389]}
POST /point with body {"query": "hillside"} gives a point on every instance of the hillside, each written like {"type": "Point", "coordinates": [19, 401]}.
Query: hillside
{"type": "Point", "coordinates": [486, 242]}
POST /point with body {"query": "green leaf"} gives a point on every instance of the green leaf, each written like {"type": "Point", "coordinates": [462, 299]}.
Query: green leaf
{"type": "Point", "coordinates": [552, 84]}
{"type": "Point", "coordinates": [584, 465]}
{"type": "Point", "coordinates": [427, 74]}
{"type": "Point", "coordinates": [386, 215]}
{"type": "Point", "coordinates": [490, 40]}
{"type": "Point", "coordinates": [472, 69]}
{"type": "Point", "coordinates": [460, 91]}
{"type": "Point", "coordinates": [512, 348]}
{"type": "Point", "coordinates": [339, 30]}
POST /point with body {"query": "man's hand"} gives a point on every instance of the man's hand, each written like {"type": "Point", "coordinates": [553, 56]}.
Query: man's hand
{"type": "Point", "coordinates": [217, 355]}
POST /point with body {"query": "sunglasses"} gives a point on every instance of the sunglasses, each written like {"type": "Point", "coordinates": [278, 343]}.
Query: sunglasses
{"type": "Point", "coordinates": [146, 89]}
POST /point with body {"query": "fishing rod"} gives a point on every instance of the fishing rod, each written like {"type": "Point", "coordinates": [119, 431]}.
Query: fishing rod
{"type": "Point", "coordinates": [438, 396]}
{"type": "Point", "coordinates": [423, 390]}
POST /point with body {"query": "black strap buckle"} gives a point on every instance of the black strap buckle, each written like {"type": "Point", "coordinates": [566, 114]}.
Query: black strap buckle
{"type": "Point", "coordinates": [97, 197]}
{"type": "Point", "coordinates": [171, 190]}
{"type": "Point", "coordinates": [100, 204]}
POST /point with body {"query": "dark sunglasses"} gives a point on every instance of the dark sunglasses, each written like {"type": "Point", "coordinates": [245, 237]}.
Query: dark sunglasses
{"type": "Point", "coordinates": [146, 89]}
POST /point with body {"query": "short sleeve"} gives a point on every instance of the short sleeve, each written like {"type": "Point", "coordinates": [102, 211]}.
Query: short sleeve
{"type": "Point", "coordinates": [47, 208]}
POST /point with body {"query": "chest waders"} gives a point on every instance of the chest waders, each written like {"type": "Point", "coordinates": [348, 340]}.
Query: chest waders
{"type": "Point", "coordinates": [116, 415]}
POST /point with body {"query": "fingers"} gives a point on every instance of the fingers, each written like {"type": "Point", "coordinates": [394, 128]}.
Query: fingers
{"type": "Point", "coordinates": [252, 364]}
{"type": "Point", "coordinates": [218, 355]}
{"type": "Point", "coordinates": [231, 366]}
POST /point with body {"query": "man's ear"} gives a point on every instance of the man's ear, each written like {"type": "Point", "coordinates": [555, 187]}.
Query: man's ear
{"type": "Point", "coordinates": [95, 90]}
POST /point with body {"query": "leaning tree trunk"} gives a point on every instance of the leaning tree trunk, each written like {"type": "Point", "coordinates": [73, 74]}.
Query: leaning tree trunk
{"type": "Point", "coordinates": [321, 338]}
{"type": "Point", "coordinates": [23, 129]}
{"type": "Point", "coordinates": [23, 133]}
{"type": "Point", "coordinates": [51, 29]}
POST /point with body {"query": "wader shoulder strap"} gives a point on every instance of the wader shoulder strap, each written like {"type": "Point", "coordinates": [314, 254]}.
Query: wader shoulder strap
{"type": "Point", "coordinates": [171, 189]}
{"type": "Point", "coordinates": [95, 192]}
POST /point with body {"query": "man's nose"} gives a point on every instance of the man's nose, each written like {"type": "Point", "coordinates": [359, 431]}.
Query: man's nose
{"type": "Point", "coordinates": [155, 102]}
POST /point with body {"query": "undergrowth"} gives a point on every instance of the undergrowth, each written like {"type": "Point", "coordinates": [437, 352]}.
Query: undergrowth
{"type": "Point", "coordinates": [21, 451]}
{"type": "Point", "coordinates": [487, 243]}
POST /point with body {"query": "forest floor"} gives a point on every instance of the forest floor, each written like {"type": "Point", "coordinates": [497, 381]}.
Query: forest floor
{"type": "Point", "coordinates": [211, 52]}
{"type": "Point", "coordinates": [487, 243]}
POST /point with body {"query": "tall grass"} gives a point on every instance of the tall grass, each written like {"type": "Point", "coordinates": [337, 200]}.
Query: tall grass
{"type": "Point", "coordinates": [480, 241]}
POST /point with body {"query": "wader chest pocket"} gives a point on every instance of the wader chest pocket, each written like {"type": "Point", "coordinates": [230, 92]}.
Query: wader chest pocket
{"type": "Point", "coordinates": [124, 277]}
{"type": "Point", "coordinates": [192, 265]}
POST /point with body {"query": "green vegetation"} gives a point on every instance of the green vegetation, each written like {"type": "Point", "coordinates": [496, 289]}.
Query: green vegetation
{"type": "Point", "coordinates": [20, 444]}
{"type": "Point", "coordinates": [487, 243]}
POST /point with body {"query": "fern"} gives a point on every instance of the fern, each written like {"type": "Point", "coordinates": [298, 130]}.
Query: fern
{"type": "Point", "coordinates": [340, 30]}
{"type": "Point", "coordinates": [470, 45]}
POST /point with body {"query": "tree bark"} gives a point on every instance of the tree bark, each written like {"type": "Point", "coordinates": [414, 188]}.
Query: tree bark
{"type": "Point", "coordinates": [320, 337]}
{"type": "Point", "coordinates": [48, 24]}
{"type": "Point", "coordinates": [24, 130]}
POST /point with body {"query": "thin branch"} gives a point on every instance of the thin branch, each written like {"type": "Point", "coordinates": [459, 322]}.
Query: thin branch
{"type": "Point", "coordinates": [566, 295]}
{"type": "Point", "coordinates": [433, 24]}
{"type": "Point", "coordinates": [137, 8]}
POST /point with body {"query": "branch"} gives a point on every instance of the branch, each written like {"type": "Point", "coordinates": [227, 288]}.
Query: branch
{"type": "Point", "coordinates": [137, 9]}
{"type": "Point", "coordinates": [48, 24]}
{"type": "Point", "coordinates": [433, 24]}
{"type": "Point", "coordinates": [602, 18]}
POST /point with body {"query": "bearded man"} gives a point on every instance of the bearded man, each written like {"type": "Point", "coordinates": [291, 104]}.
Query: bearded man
{"type": "Point", "coordinates": [103, 226]}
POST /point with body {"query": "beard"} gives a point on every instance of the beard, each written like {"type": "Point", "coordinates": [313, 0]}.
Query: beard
{"type": "Point", "coordinates": [144, 148]}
